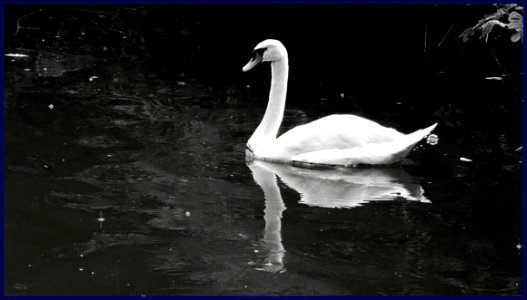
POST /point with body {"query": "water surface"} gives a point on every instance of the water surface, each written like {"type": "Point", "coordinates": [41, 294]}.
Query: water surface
{"type": "Point", "coordinates": [139, 186]}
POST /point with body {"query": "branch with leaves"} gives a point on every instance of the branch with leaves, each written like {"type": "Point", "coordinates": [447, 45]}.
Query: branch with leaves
{"type": "Point", "coordinates": [508, 16]}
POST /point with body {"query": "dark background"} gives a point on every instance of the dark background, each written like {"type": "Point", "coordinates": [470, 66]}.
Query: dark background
{"type": "Point", "coordinates": [135, 89]}
{"type": "Point", "coordinates": [403, 65]}
{"type": "Point", "coordinates": [375, 50]}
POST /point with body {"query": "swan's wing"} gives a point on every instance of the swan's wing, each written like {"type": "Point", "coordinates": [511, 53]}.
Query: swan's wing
{"type": "Point", "coordinates": [374, 154]}
{"type": "Point", "coordinates": [383, 153]}
{"type": "Point", "coordinates": [334, 132]}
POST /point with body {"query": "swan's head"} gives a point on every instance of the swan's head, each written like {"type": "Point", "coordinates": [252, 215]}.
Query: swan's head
{"type": "Point", "coordinates": [268, 50]}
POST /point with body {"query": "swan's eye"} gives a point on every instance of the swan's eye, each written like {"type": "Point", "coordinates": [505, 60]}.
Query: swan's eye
{"type": "Point", "coordinates": [259, 52]}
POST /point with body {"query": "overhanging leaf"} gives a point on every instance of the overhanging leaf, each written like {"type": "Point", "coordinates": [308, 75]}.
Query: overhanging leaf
{"type": "Point", "coordinates": [466, 34]}
{"type": "Point", "coordinates": [515, 21]}
{"type": "Point", "coordinates": [516, 37]}
{"type": "Point", "coordinates": [486, 29]}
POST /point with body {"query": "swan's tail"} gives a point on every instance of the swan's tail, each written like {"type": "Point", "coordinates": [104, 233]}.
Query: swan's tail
{"type": "Point", "coordinates": [414, 137]}
{"type": "Point", "coordinates": [421, 133]}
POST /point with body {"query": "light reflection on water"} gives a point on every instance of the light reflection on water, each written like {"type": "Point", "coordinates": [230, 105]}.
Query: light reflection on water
{"type": "Point", "coordinates": [342, 188]}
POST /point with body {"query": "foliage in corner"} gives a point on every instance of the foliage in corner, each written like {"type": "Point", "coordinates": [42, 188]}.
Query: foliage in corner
{"type": "Point", "coordinates": [508, 16]}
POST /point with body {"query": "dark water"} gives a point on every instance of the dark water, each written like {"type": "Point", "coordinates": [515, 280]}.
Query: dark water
{"type": "Point", "coordinates": [125, 170]}
{"type": "Point", "coordinates": [141, 188]}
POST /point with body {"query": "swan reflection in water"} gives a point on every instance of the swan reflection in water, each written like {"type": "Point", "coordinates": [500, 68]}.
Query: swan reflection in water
{"type": "Point", "coordinates": [329, 188]}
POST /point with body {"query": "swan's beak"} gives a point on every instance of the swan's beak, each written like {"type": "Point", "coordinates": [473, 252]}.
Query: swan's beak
{"type": "Point", "coordinates": [256, 59]}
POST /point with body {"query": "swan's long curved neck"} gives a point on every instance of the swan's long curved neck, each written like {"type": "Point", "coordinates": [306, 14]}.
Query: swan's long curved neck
{"type": "Point", "coordinates": [268, 128]}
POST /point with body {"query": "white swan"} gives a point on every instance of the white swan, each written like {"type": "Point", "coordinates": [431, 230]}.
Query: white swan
{"type": "Point", "coordinates": [342, 140]}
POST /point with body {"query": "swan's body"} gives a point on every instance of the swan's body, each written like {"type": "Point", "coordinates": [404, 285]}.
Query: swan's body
{"type": "Point", "coordinates": [336, 139]}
